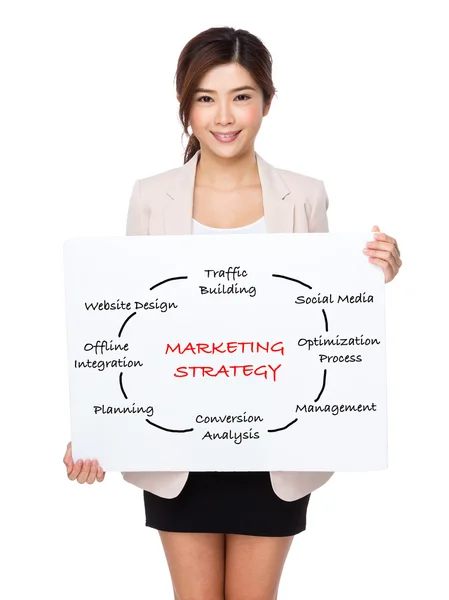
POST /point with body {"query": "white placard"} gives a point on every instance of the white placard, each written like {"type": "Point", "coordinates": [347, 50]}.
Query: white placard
{"type": "Point", "coordinates": [227, 353]}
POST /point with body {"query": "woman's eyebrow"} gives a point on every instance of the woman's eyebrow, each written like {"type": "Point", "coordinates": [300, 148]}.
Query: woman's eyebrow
{"type": "Point", "coordinates": [238, 89]}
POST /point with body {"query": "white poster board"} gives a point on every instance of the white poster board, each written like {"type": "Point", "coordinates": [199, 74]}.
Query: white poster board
{"type": "Point", "coordinates": [227, 353]}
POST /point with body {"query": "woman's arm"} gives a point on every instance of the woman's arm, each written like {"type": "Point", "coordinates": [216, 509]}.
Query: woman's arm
{"type": "Point", "coordinates": [138, 213]}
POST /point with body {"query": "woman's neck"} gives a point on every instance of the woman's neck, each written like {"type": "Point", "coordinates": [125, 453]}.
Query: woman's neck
{"type": "Point", "coordinates": [227, 173]}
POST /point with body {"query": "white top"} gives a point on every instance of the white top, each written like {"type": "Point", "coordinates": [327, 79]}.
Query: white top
{"type": "Point", "coordinates": [256, 227]}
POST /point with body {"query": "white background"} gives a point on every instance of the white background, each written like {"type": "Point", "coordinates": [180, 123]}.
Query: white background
{"type": "Point", "coordinates": [88, 106]}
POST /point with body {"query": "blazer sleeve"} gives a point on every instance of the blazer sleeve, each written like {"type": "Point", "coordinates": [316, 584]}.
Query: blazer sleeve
{"type": "Point", "coordinates": [138, 213]}
{"type": "Point", "coordinates": [317, 211]}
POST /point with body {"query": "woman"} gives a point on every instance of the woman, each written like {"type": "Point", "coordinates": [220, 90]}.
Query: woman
{"type": "Point", "coordinates": [226, 534]}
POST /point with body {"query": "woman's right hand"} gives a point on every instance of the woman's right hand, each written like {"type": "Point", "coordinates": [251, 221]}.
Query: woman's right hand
{"type": "Point", "coordinates": [84, 472]}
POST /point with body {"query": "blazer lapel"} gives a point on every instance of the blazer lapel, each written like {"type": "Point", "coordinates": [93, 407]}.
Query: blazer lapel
{"type": "Point", "coordinates": [278, 214]}
{"type": "Point", "coordinates": [178, 210]}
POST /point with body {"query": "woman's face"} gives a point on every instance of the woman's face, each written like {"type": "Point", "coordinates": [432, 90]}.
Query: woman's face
{"type": "Point", "coordinates": [227, 101]}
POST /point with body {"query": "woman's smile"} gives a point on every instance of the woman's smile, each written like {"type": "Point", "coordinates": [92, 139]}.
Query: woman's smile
{"type": "Point", "coordinates": [225, 137]}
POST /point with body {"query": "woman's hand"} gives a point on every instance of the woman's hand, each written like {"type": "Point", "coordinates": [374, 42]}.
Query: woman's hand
{"type": "Point", "coordinates": [86, 472]}
{"type": "Point", "coordinates": [385, 253]}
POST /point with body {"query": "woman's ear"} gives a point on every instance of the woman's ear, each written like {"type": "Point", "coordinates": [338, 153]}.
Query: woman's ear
{"type": "Point", "coordinates": [178, 98]}
{"type": "Point", "coordinates": [267, 106]}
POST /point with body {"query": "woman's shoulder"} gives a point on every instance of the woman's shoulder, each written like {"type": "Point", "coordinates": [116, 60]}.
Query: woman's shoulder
{"type": "Point", "coordinates": [160, 179]}
{"type": "Point", "coordinates": [305, 190]}
{"type": "Point", "coordinates": [295, 180]}
{"type": "Point", "coordinates": [309, 192]}
{"type": "Point", "coordinates": [299, 180]}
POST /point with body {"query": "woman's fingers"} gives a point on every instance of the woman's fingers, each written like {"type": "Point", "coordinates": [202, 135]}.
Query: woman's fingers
{"type": "Point", "coordinates": [387, 247]}
{"type": "Point", "coordinates": [87, 471]}
{"type": "Point", "coordinates": [386, 256]}
{"type": "Point", "coordinates": [76, 470]}
{"type": "Point", "coordinates": [389, 272]}
{"type": "Point", "coordinates": [100, 474]}
{"type": "Point", "coordinates": [68, 460]}
{"type": "Point", "coordinates": [383, 237]}
{"type": "Point", "coordinates": [84, 473]}
{"type": "Point", "coordinates": [92, 473]}
{"type": "Point", "coordinates": [384, 252]}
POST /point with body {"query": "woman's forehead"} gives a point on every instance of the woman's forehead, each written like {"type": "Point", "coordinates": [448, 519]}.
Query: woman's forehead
{"type": "Point", "coordinates": [227, 78]}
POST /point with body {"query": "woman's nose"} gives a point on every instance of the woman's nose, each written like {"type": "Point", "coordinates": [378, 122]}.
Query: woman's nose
{"type": "Point", "coordinates": [224, 115]}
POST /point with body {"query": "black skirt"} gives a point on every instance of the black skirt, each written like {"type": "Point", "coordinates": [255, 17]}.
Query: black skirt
{"type": "Point", "coordinates": [227, 502]}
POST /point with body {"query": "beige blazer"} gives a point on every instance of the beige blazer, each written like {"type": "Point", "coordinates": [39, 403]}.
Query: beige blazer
{"type": "Point", "coordinates": [163, 205]}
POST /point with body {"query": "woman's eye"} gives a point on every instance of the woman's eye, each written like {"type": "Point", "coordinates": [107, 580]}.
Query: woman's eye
{"type": "Point", "coordinates": [203, 98]}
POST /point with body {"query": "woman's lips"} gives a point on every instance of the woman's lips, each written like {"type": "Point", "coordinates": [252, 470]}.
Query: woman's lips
{"type": "Point", "coordinates": [227, 139]}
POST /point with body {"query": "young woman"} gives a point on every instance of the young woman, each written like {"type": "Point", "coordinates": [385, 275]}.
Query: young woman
{"type": "Point", "coordinates": [226, 535]}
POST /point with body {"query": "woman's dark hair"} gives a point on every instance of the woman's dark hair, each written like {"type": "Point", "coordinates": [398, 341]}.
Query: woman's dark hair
{"type": "Point", "coordinates": [211, 48]}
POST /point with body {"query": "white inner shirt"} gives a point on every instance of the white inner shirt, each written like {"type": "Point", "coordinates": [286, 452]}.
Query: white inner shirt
{"type": "Point", "coordinates": [258, 226]}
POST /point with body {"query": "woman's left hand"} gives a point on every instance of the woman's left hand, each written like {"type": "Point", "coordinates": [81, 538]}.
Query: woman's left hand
{"type": "Point", "coordinates": [385, 253]}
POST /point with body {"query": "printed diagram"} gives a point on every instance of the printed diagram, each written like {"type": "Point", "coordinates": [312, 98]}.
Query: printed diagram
{"type": "Point", "coordinates": [330, 348]}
